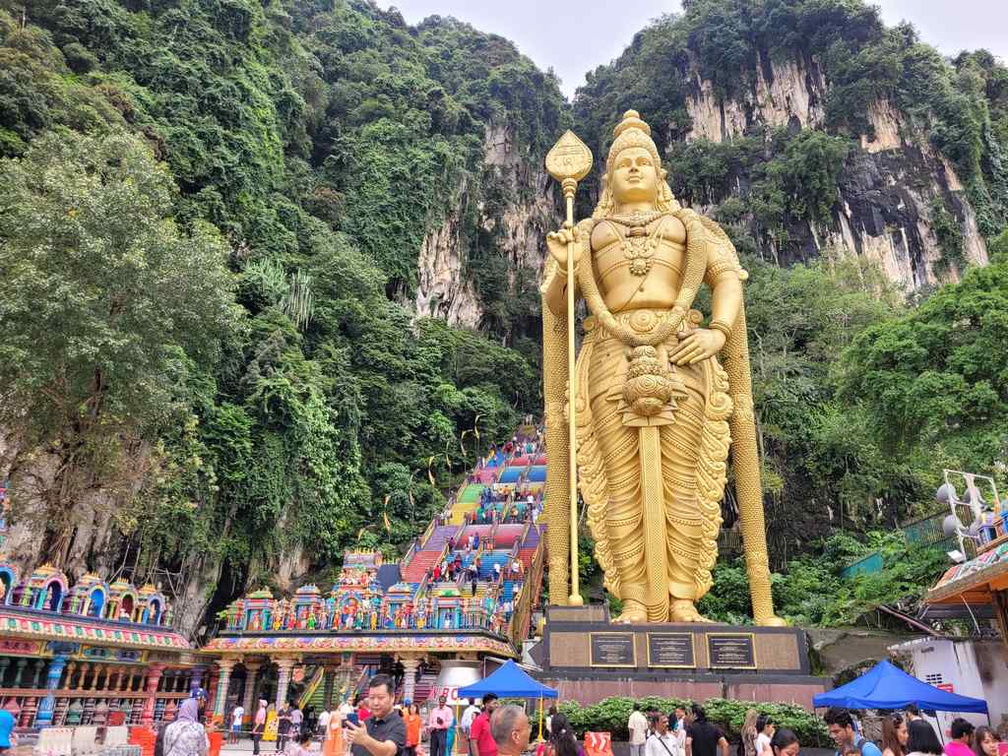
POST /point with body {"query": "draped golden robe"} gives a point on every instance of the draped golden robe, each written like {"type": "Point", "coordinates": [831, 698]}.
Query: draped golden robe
{"type": "Point", "coordinates": [694, 440]}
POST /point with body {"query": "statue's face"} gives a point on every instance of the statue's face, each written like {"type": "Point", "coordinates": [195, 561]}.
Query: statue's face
{"type": "Point", "coordinates": [634, 176]}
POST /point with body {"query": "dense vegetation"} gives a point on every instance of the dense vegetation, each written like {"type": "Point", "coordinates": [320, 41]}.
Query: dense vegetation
{"type": "Point", "coordinates": [810, 591]}
{"type": "Point", "coordinates": [210, 226]}
{"type": "Point", "coordinates": [307, 148]}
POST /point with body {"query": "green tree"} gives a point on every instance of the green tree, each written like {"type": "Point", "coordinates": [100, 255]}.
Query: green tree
{"type": "Point", "coordinates": [104, 294]}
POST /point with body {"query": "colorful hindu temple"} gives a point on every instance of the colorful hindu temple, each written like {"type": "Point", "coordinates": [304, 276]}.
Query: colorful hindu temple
{"type": "Point", "coordinates": [93, 653]}
{"type": "Point", "coordinates": [89, 653]}
{"type": "Point", "coordinates": [465, 590]}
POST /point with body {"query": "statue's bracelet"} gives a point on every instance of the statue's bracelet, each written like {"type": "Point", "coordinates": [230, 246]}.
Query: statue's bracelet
{"type": "Point", "coordinates": [720, 325]}
{"type": "Point", "coordinates": [562, 269]}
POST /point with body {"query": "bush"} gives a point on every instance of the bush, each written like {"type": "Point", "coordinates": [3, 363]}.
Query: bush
{"type": "Point", "coordinates": [611, 715]}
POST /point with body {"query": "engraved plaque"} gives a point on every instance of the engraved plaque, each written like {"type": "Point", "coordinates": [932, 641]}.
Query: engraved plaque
{"type": "Point", "coordinates": [612, 650]}
{"type": "Point", "coordinates": [672, 650]}
{"type": "Point", "coordinates": [731, 650]}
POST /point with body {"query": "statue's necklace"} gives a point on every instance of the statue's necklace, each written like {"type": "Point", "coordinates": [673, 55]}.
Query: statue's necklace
{"type": "Point", "coordinates": [638, 245]}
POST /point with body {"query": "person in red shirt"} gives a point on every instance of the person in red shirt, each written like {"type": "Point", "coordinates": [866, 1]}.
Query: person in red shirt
{"type": "Point", "coordinates": [481, 741]}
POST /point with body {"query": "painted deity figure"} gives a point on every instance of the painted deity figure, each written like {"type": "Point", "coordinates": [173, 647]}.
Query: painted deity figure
{"type": "Point", "coordinates": [655, 409]}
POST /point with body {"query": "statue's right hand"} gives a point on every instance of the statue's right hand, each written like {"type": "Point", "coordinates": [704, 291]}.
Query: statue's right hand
{"type": "Point", "coordinates": [557, 242]}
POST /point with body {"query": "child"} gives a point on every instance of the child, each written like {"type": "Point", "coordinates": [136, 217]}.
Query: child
{"type": "Point", "coordinates": [302, 745]}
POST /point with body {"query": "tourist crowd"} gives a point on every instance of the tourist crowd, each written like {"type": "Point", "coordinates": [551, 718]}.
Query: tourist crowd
{"type": "Point", "coordinates": [374, 726]}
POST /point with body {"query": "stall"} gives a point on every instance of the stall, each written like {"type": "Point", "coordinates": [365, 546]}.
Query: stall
{"type": "Point", "coordinates": [511, 681]}
{"type": "Point", "coordinates": [886, 686]}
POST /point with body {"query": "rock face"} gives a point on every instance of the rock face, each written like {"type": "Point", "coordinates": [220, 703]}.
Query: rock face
{"type": "Point", "coordinates": [889, 189]}
{"type": "Point", "coordinates": [885, 207]}
{"type": "Point", "coordinates": [789, 93]}
{"type": "Point", "coordinates": [503, 211]}
{"type": "Point", "coordinates": [92, 538]}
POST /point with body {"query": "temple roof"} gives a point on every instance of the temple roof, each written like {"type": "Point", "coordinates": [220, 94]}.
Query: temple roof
{"type": "Point", "coordinates": [362, 642]}
{"type": "Point", "coordinates": [973, 581]}
{"type": "Point", "coordinates": [16, 622]}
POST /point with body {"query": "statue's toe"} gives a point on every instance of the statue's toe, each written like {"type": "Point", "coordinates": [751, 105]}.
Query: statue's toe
{"type": "Point", "coordinates": [632, 614]}
{"type": "Point", "coordinates": [682, 610]}
{"type": "Point", "coordinates": [771, 621]}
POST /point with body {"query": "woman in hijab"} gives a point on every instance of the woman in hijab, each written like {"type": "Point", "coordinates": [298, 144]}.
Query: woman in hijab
{"type": "Point", "coordinates": [258, 726]}
{"type": "Point", "coordinates": [186, 736]}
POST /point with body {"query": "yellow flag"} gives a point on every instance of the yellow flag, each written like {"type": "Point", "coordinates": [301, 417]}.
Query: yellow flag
{"type": "Point", "coordinates": [430, 475]}
{"type": "Point", "coordinates": [388, 525]}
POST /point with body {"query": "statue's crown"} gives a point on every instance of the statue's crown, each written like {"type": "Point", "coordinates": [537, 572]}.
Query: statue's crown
{"type": "Point", "coordinates": [631, 120]}
{"type": "Point", "coordinates": [632, 131]}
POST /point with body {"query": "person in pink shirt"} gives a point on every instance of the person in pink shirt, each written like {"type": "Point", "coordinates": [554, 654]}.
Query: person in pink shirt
{"type": "Point", "coordinates": [440, 719]}
{"type": "Point", "coordinates": [960, 738]}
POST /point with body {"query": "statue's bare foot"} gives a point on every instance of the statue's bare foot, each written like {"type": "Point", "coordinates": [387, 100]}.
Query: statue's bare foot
{"type": "Point", "coordinates": [684, 610]}
{"type": "Point", "coordinates": [771, 621]}
{"type": "Point", "coordinates": [634, 613]}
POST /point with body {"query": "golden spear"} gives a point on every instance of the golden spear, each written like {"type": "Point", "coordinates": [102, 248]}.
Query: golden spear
{"type": "Point", "coordinates": [568, 162]}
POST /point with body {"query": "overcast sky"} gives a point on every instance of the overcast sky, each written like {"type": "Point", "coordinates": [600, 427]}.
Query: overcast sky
{"type": "Point", "coordinates": [574, 36]}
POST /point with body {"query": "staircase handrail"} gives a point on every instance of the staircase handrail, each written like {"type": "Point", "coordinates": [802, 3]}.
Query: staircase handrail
{"type": "Point", "coordinates": [522, 612]}
{"type": "Point", "coordinates": [313, 683]}
{"type": "Point", "coordinates": [427, 534]}
{"type": "Point", "coordinates": [409, 556]}
{"type": "Point", "coordinates": [421, 587]}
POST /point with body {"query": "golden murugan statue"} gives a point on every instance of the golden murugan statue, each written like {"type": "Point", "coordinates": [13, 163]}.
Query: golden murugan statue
{"type": "Point", "coordinates": [655, 411]}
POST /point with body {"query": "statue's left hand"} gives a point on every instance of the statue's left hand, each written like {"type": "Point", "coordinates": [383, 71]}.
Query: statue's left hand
{"type": "Point", "coordinates": [696, 345]}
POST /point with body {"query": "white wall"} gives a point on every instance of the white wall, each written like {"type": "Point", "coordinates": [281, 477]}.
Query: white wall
{"type": "Point", "coordinates": [974, 668]}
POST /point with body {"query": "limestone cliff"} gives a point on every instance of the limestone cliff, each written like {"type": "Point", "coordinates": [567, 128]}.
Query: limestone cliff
{"type": "Point", "coordinates": [93, 540]}
{"type": "Point", "coordinates": [491, 238]}
{"type": "Point", "coordinates": [889, 189]}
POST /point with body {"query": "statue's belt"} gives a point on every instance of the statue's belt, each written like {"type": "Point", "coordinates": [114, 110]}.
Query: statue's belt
{"type": "Point", "coordinates": [641, 320]}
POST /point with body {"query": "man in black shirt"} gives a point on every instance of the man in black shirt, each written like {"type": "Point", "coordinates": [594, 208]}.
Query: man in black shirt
{"type": "Point", "coordinates": [704, 738]}
{"type": "Point", "coordinates": [384, 732]}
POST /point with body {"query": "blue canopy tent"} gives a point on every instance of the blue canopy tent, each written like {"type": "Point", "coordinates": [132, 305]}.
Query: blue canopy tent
{"type": "Point", "coordinates": [885, 686]}
{"type": "Point", "coordinates": [511, 681]}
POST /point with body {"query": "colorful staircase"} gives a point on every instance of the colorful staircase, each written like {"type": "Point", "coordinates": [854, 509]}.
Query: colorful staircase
{"type": "Point", "coordinates": [507, 590]}
{"type": "Point", "coordinates": [314, 690]}
{"type": "Point", "coordinates": [506, 535]}
{"type": "Point", "coordinates": [424, 688]}
{"type": "Point", "coordinates": [488, 560]}
{"type": "Point", "coordinates": [468, 501]}
{"type": "Point", "coordinates": [418, 567]}
{"type": "Point", "coordinates": [439, 537]}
